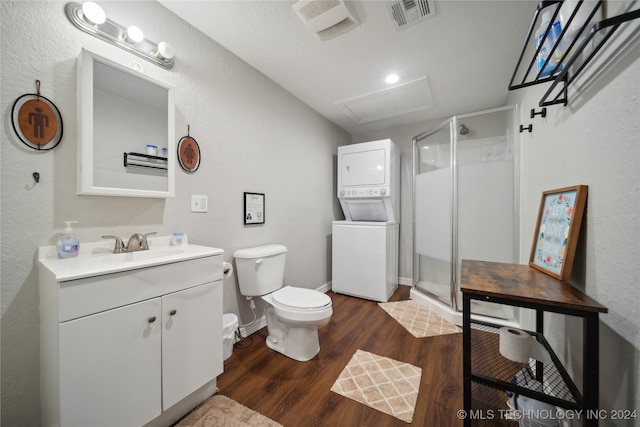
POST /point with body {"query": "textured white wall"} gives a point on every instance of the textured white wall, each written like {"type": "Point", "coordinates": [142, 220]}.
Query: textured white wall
{"type": "Point", "coordinates": [254, 136]}
{"type": "Point", "coordinates": [593, 141]}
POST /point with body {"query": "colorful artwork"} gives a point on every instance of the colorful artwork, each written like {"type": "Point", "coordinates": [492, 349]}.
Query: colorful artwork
{"type": "Point", "coordinates": [557, 230]}
{"type": "Point", "coordinates": [554, 230]}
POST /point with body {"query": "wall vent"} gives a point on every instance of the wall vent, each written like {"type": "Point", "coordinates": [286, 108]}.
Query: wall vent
{"type": "Point", "coordinates": [326, 18]}
{"type": "Point", "coordinates": [408, 12]}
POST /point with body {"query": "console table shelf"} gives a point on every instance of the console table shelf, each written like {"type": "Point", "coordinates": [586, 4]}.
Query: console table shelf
{"type": "Point", "coordinates": [485, 369]}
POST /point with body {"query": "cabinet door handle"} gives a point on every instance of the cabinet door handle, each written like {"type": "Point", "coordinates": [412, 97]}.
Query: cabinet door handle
{"type": "Point", "coordinates": [151, 319]}
{"type": "Point", "coordinates": [172, 312]}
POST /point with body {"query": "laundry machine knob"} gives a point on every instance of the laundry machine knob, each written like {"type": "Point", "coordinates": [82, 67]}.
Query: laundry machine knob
{"type": "Point", "coordinates": [383, 191]}
{"type": "Point", "coordinates": [341, 193]}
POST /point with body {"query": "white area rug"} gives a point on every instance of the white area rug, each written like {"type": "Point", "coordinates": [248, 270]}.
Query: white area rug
{"type": "Point", "coordinates": [381, 383]}
{"type": "Point", "coordinates": [419, 320]}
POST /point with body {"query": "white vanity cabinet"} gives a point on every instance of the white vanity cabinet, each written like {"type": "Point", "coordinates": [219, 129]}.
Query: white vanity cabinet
{"type": "Point", "coordinates": [129, 347]}
{"type": "Point", "coordinates": [110, 367]}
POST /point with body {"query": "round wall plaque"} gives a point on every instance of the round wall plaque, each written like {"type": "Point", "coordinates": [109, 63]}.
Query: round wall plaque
{"type": "Point", "coordinates": [188, 154]}
{"type": "Point", "coordinates": [37, 122]}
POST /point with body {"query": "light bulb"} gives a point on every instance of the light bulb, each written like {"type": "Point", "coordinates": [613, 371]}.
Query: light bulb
{"type": "Point", "coordinates": [93, 13]}
{"type": "Point", "coordinates": [165, 50]}
{"type": "Point", "coordinates": [135, 34]}
{"type": "Point", "coordinates": [392, 78]}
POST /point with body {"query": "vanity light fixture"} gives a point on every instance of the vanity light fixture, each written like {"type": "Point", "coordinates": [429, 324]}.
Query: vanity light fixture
{"type": "Point", "coordinates": [135, 34]}
{"type": "Point", "coordinates": [94, 13]}
{"type": "Point", "coordinates": [90, 18]}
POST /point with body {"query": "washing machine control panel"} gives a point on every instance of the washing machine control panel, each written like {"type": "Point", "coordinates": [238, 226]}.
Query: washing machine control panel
{"type": "Point", "coordinates": [364, 192]}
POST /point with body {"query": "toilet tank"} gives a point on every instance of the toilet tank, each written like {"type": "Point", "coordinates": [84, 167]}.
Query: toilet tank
{"type": "Point", "coordinates": [260, 270]}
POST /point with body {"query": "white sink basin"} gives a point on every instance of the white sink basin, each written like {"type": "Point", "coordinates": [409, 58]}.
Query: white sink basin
{"type": "Point", "coordinates": [96, 258]}
{"type": "Point", "coordinates": [151, 254]}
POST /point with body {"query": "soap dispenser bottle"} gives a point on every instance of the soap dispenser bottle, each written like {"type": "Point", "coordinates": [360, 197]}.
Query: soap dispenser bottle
{"type": "Point", "coordinates": [68, 246]}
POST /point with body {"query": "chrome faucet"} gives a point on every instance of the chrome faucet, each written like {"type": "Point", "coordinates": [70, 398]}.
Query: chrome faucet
{"type": "Point", "coordinates": [137, 242]}
{"type": "Point", "coordinates": [119, 247]}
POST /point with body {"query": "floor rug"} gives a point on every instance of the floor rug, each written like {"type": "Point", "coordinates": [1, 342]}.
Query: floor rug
{"type": "Point", "coordinates": [220, 411]}
{"type": "Point", "coordinates": [419, 320]}
{"type": "Point", "coordinates": [381, 383]}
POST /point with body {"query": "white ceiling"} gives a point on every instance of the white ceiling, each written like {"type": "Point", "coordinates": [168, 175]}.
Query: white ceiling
{"type": "Point", "coordinates": [467, 51]}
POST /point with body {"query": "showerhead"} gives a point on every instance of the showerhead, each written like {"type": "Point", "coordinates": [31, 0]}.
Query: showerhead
{"type": "Point", "coordinates": [463, 130]}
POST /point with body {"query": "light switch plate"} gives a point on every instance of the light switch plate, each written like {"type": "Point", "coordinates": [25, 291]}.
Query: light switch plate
{"type": "Point", "coordinates": [199, 203]}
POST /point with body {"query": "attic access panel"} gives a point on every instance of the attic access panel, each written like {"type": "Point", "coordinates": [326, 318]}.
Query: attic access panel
{"type": "Point", "coordinates": [402, 99]}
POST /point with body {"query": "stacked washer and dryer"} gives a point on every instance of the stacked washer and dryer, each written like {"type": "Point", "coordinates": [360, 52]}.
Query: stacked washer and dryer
{"type": "Point", "coordinates": [365, 245]}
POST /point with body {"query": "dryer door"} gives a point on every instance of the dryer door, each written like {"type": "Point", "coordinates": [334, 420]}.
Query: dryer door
{"type": "Point", "coordinates": [364, 168]}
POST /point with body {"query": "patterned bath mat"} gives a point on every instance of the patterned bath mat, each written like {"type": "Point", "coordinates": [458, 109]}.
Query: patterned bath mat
{"type": "Point", "coordinates": [381, 383]}
{"type": "Point", "coordinates": [420, 321]}
{"type": "Point", "coordinates": [219, 410]}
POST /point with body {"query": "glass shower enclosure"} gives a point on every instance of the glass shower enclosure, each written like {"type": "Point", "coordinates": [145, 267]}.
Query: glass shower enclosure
{"type": "Point", "coordinates": [465, 203]}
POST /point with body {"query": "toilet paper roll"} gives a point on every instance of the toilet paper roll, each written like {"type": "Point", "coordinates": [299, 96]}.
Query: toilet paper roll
{"type": "Point", "coordinates": [518, 346]}
{"type": "Point", "coordinates": [227, 269]}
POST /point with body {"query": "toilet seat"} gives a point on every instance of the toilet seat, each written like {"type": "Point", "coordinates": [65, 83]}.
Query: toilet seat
{"type": "Point", "coordinates": [300, 298]}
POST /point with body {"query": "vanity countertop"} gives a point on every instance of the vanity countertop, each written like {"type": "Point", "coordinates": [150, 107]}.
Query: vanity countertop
{"type": "Point", "coordinates": [97, 258]}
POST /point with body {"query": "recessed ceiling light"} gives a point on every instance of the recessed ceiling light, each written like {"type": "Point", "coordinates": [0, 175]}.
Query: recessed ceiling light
{"type": "Point", "coordinates": [392, 78]}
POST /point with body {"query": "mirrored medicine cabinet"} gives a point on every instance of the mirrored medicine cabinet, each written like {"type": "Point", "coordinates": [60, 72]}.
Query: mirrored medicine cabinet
{"type": "Point", "coordinates": [123, 115]}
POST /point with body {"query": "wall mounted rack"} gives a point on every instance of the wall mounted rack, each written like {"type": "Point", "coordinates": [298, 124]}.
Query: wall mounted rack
{"type": "Point", "coordinates": [141, 160]}
{"type": "Point", "coordinates": [564, 73]}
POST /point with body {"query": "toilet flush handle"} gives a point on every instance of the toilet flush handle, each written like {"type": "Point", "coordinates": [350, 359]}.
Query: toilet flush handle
{"type": "Point", "coordinates": [259, 261]}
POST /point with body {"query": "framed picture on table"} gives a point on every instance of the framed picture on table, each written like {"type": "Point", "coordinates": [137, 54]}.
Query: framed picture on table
{"type": "Point", "coordinates": [557, 230]}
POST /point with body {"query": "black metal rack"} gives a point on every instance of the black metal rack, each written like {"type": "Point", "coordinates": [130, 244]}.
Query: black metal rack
{"type": "Point", "coordinates": [141, 160]}
{"type": "Point", "coordinates": [563, 74]}
{"type": "Point", "coordinates": [484, 366]}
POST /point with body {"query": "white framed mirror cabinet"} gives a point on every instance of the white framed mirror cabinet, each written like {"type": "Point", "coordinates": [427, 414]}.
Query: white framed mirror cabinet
{"type": "Point", "coordinates": [126, 130]}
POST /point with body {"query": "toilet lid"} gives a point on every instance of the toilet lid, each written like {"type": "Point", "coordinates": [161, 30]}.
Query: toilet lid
{"type": "Point", "coordinates": [290, 296]}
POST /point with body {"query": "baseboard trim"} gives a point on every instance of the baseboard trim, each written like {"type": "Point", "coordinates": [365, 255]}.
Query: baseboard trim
{"type": "Point", "coordinates": [260, 323]}
{"type": "Point", "coordinates": [405, 281]}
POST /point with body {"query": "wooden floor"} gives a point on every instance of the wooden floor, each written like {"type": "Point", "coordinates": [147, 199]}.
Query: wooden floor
{"type": "Point", "coordinates": [297, 394]}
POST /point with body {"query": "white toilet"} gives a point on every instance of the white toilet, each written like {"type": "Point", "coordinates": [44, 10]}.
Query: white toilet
{"type": "Point", "coordinates": [293, 314]}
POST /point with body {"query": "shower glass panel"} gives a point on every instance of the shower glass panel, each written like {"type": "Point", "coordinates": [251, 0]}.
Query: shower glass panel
{"type": "Point", "coordinates": [432, 204]}
{"type": "Point", "coordinates": [465, 203]}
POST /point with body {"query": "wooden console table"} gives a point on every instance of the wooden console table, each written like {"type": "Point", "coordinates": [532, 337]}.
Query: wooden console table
{"type": "Point", "coordinates": [487, 373]}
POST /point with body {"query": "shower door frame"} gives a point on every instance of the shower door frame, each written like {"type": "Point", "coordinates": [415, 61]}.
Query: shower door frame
{"type": "Point", "coordinates": [452, 123]}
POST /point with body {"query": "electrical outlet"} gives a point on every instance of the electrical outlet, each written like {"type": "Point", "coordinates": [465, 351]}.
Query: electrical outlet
{"type": "Point", "coordinates": [199, 203]}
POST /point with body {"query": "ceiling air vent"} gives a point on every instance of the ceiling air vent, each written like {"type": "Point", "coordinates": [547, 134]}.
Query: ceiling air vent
{"type": "Point", "coordinates": [407, 12]}
{"type": "Point", "coordinates": [326, 18]}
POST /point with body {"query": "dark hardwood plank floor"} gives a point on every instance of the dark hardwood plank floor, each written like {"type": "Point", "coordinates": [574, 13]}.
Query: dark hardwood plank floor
{"type": "Point", "coordinates": [298, 393]}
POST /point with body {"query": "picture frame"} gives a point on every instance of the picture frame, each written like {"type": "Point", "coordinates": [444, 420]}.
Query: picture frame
{"type": "Point", "coordinates": [557, 229]}
{"type": "Point", "coordinates": [253, 208]}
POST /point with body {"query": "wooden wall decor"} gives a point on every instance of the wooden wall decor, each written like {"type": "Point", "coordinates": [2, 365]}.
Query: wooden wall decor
{"type": "Point", "coordinates": [557, 230]}
{"type": "Point", "coordinates": [37, 121]}
{"type": "Point", "coordinates": [188, 153]}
